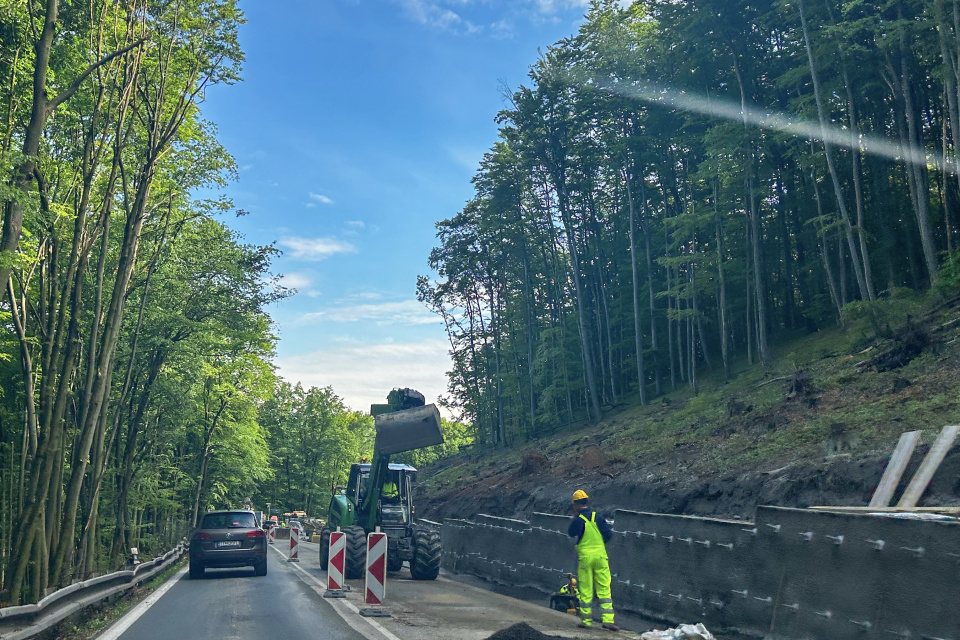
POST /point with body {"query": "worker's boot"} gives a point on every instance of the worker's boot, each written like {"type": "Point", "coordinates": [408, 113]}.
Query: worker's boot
{"type": "Point", "coordinates": [611, 627]}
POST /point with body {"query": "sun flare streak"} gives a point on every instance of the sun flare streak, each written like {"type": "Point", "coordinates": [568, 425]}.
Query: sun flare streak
{"type": "Point", "coordinates": [771, 120]}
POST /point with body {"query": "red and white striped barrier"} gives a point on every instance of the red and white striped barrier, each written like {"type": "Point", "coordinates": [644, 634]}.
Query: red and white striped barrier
{"type": "Point", "coordinates": [270, 535]}
{"type": "Point", "coordinates": [294, 545]}
{"type": "Point", "coordinates": [376, 584]}
{"type": "Point", "coordinates": [335, 566]}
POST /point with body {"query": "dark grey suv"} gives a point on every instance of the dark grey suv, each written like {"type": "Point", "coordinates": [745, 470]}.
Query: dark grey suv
{"type": "Point", "coordinates": [228, 539]}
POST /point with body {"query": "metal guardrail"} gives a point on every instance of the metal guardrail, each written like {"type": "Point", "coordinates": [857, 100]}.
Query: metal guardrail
{"type": "Point", "coordinates": [28, 620]}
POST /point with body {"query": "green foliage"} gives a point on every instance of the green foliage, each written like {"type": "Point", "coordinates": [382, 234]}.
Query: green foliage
{"type": "Point", "coordinates": [949, 283]}
{"type": "Point", "coordinates": [134, 312]}
{"type": "Point", "coordinates": [456, 436]}
{"type": "Point", "coordinates": [885, 315]}
{"type": "Point", "coordinates": [313, 438]}
{"type": "Point", "coordinates": [655, 198]}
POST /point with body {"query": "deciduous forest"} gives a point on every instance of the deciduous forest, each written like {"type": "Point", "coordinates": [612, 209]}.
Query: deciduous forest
{"type": "Point", "coordinates": [678, 189]}
{"type": "Point", "coordinates": [136, 384]}
{"type": "Point", "coordinates": [683, 185]}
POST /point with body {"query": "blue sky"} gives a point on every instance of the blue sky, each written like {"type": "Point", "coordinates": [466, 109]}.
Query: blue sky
{"type": "Point", "coordinates": [358, 125]}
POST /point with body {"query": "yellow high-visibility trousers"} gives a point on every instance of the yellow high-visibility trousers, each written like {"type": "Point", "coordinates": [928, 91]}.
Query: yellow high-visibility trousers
{"type": "Point", "coordinates": [593, 572]}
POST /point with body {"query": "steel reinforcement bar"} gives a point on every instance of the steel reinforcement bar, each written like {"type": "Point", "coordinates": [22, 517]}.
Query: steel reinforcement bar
{"type": "Point", "coordinates": [29, 620]}
{"type": "Point", "coordinates": [791, 574]}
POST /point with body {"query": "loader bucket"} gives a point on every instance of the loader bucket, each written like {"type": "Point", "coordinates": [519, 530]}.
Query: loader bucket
{"type": "Point", "coordinates": [408, 429]}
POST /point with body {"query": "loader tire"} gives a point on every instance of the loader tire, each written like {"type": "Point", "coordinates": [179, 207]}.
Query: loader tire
{"type": "Point", "coordinates": [356, 555]}
{"type": "Point", "coordinates": [394, 561]}
{"type": "Point", "coordinates": [426, 555]}
{"type": "Point", "coordinates": [324, 548]}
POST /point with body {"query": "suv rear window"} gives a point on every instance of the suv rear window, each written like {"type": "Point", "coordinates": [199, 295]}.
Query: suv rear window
{"type": "Point", "coordinates": [228, 521]}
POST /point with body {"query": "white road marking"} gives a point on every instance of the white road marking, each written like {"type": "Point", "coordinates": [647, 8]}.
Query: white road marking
{"type": "Point", "coordinates": [344, 608]}
{"type": "Point", "coordinates": [126, 621]}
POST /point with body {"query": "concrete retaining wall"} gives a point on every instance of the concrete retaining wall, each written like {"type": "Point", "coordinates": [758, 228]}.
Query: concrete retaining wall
{"type": "Point", "coordinates": [794, 573]}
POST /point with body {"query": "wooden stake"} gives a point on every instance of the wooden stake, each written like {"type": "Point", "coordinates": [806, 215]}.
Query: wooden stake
{"type": "Point", "coordinates": [929, 467]}
{"type": "Point", "coordinates": [895, 468]}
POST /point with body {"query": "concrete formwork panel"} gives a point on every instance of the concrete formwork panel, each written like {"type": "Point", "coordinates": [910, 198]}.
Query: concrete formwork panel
{"type": "Point", "coordinates": [866, 576]}
{"type": "Point", "coordinates": [792, 573]}
{"type": "Point", "coordinates": [550, 521]}
{"type": "Point", "coordinates": [687, 568]}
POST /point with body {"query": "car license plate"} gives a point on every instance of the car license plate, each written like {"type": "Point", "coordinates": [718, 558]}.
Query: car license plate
{"type": "Point", "coordinates": [228, 543]}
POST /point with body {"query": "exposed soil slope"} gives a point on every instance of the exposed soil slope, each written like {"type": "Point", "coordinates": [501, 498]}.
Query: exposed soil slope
{"type": "Point", "coordinates": [817, 428]}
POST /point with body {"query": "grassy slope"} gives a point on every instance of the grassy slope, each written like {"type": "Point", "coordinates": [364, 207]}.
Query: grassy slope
{"type": "Point", "coordinates": [854, 411]}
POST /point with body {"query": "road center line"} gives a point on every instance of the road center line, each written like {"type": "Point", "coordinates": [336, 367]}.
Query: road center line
{"type": "Point", "coordinates": [118, 628]}
{"type": "Point", "coordinates": [352, 614]}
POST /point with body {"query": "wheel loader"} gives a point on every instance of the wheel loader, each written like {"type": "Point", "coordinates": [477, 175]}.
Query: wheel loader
{"type": "Point", "coordinates": [403, 424]}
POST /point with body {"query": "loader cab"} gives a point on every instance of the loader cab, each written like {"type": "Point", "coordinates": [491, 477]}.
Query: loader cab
{"type": "Point", "coordinates": [393, 513]}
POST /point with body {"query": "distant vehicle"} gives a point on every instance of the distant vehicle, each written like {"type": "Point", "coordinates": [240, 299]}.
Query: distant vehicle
{"type": "Point", "coordinates": [228, 539]}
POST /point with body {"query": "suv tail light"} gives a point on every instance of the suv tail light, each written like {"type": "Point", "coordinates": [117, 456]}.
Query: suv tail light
{"type": "Point", "coordinates": [256, 533]}
{"type": "Point", "coordinates": [200, 535]}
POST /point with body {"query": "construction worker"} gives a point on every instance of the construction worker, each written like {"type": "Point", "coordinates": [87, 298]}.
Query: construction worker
{"type": "Point", "coordinates": [592, 533]}
{"type": "Point", "coordinates": [390, 492]}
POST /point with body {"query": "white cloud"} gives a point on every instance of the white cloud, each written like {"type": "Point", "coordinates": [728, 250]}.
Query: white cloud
{"type": "Point", "coordinates": [553, 6]}
{"type": "Point", "coordinates": [319, 197]}
{"type": "Point", "coordinates": [452, 15]}
{"type": "Point", "coordinates": [383, 313]}
{"type": "Point", "coordinates": [363, 374]}
{"type": "Point", "coordinates": [296, 280]}
{"type": "Point", "coordinates": [315, 248]}
{"type": "Point", "coordinates": [354, 227]}
{"type": "Point", "coordinates": [431, 14]}
{"type": "Point", "coordinates": [502, 29]}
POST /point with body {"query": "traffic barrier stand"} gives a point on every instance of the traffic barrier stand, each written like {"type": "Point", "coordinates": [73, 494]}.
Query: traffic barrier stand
{"type": "Point", "coordinates": [376, 580]}
{"type": "Point", "coordinates": [335, 565]}
{"type": "Point", "coordinates": [294, 546]}
{"type": "Point", "coordinates": [270, 536]}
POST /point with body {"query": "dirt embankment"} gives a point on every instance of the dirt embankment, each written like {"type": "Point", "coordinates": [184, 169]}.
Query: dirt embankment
{"type": "Point", "coordinates": [820, 434]}
{"type": "Point", "coordinates": [834, 481]}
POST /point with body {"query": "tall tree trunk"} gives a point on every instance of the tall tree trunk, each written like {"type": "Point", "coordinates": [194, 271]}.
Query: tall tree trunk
{"type": "Point", "coordinates": [759, 282]}
{"type": "Point", "coordinates": [824, 250]}
{"type": "Point", "coordinates": [721, 277]}
{"type": "Point", "coordinates": [654, 343]}
{"type": "Point", "coordinates": [637, 333]}
{"type": "Point", "coordinates": [828, 151]}
{"type": "Point", "coordinates": [23, 178]}
{"type": "Point", "coordinates": [691, 320]}
{"type": "Point", "coordinates": [857, 171]}
{"type": "Point", "coordinates": [915, 158]}
{"type": "Point", "coordinates": [585, 342]}
{"type": "Point", "coordinates": [749, 311]}
{"type": "Point", "coordinates": [528, 304]}
{"type": "Point", "coordinates": [673, 370]}
{"type": "Point", "coordinates": [755, 231]}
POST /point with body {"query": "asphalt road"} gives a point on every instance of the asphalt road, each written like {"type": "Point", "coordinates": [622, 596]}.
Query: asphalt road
{"type": "Point", "coordinates": [233, 604]}
{"type": "Point", "coordinates": [446, 609]}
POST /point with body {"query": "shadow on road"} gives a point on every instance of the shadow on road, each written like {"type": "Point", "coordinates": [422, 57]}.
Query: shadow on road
{"type": "Point", "coordinates": [225, 574]}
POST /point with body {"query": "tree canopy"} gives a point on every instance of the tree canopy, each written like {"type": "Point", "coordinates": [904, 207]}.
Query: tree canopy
{"type": "Point", "coordinates": [681, 185]}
